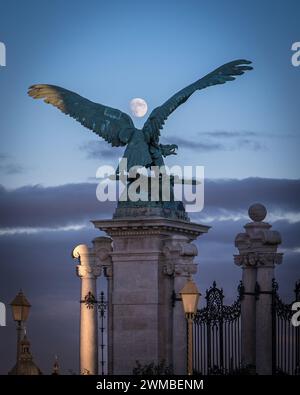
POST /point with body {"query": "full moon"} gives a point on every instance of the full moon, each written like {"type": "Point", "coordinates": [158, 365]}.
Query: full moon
{"type": "Point", "coordinates": [138, 107]}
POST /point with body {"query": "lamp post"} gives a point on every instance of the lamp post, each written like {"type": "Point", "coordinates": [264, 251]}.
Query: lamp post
{"type": "Point", "coordinates": [190, 297]}
{"type": "Point", "coordinates": [20, 310]}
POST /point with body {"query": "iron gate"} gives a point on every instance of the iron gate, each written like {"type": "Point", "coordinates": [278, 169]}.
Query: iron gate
{"type": "Point", "coordinates": [217, 335]}
{"type": "Point", "coordinates": [286, 337]}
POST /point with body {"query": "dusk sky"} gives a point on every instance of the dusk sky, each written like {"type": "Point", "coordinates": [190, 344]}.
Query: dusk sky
{"type": "Point", "coordinates": [245, 133]}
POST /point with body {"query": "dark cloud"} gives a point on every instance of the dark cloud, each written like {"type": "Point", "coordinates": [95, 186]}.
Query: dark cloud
{"type": "Point", "coordinates": [220, 141]}
{"type": "Point", "coordinates": [3, 156]}
{"type": "Point", "coordinates": [101, 149]}
{"type": "Point", "coordinates": [8, 166]}
{"type": "Point", "coordinates": [206, 141]}
{"type": "Point", "coordinates": [237, 195]}
{"type": "Point", "coordinates": [65, 205]}
{"type": "Point", "coordinates": [229, 134]}
{"type": "Point", "coordinates": [193, 145]}
{"type": "Point", "coordinates": [37, 206]}
{"type": "Point", "coordinates": [289, 234]}
{"type": "Point", "coordinates": [224, 232]}
{"type": "Point", "coordinates": [245, 134]}
{"type": "Point", "coordinates": [196, 145]}
{"type": "Point", "coordinates": [251, 145]}
{"type": "Point", "coordinates": [12, 168]}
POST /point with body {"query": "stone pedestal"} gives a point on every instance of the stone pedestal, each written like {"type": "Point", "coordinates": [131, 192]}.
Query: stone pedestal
{"type": "Point", "coordinates": [257, 257]}
{"type": "Point", "coordinates": [150, 260]}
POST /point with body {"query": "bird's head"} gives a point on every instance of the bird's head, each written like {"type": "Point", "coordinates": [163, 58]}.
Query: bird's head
{"type": "Point", "coordinates": [168, 149]}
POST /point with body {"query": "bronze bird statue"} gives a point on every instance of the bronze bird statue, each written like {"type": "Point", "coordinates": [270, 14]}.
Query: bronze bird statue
{"type": "Point", "coordinates": [117, 128]}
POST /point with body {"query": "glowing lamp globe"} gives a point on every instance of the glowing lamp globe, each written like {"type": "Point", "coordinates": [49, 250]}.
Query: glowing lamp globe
{"type": "Point", "coordinates": [20, 307]}
{"type": "Point", "coordinates": [190, 297]}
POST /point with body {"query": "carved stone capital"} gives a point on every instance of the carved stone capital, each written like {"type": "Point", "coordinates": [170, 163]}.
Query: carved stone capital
{"type": "Point", "coordinates": [179, 254]}
{"type": "Point", "coordinates": [175, 269]}
{"type": "Point", "coordinates": [256, 259]}
{"type": "Point", "coordinates": [88, 267]}
{"type": "Point", "coordinates": [179, 246]}
{"type": "Point", "coordinates": [270, 258]}
{"type": "Point", "coordinates": [83, 271]}
{"type": "Point", "coordinates": [103, 250]}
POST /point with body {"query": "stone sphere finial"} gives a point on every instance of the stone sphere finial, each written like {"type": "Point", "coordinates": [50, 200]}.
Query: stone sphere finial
{"type": "Point", "coordinates": [257, 212]}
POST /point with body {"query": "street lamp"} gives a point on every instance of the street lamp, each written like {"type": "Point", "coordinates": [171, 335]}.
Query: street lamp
{"type": "Point", "coordinates": [190, 297]}
{"type": "Point", "coordinates": [20, 311]}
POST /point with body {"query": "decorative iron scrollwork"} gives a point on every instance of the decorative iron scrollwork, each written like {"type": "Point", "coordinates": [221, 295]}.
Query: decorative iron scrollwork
{"type": "Point", "coordinates": [102, 307]}
{"type": "Point", "coordinates": [102, 304]}
{"type": "Point", "coordinates": [217, 346]}
{"type": "Point", "coordinates": [89, 300]}
{"type": "Point", "coordinates": [285, 337]}
{"type": "Point", "coordinates": [215, 311]}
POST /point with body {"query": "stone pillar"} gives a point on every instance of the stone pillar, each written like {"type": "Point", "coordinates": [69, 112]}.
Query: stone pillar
{"type": "Point", "coordinates": [257, 257]}
{"type": "Point", "coordinates": [88, 271]}
{"type": "Point", "coordinates": [151, 258]}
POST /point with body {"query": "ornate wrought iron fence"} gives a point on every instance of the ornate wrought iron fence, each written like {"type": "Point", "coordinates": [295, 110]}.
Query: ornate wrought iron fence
{"type": "Point", "coordinates": [286, 337]}
{"type": "Point", "coordinates": [217, 335]}
{"type": "Point", "coordinates": [102, 307]}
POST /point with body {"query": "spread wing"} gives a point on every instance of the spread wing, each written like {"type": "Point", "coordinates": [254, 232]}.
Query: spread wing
{"type": "Point", "coordinates": [225, 73]}
{"type": "Point", "coordinates": [113, 125]}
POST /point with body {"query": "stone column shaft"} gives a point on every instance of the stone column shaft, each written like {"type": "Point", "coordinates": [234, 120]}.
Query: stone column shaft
{"type": "Point", "coordinates": [88, 329]}
{"type": "Point", "coordinates": [265, 276]}
{"type": "Point", "coordinates": [248, 317]}
{"type": "Point", "coordinates": [179, 330]}
{"type": "Point", "coordinates": [88, 272]}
